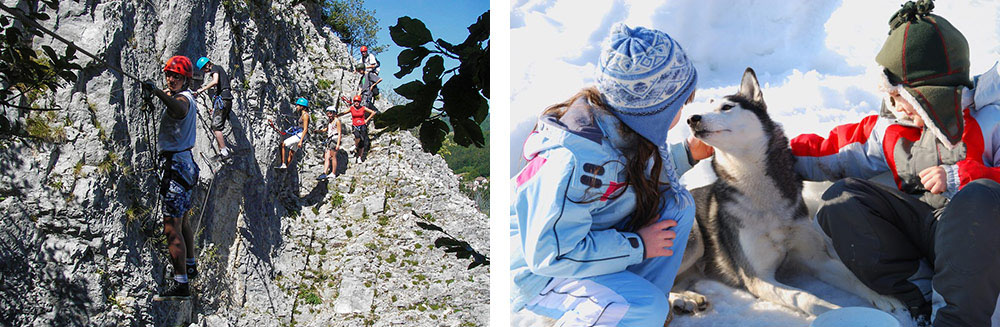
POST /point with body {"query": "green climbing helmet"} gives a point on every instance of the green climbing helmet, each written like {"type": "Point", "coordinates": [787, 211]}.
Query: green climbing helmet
{"type": "Point", "coordinates": [302, 102]}
{"type": "Point", "coordinates": [202, 62]}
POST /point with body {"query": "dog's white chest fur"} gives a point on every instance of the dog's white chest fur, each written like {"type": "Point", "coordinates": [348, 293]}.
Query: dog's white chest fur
{"type": "Point", "coordinates": [759, 205]}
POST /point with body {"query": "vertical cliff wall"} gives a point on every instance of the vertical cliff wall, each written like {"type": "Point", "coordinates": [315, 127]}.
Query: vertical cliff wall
{"type": "Point", "coordinates": [81, 242]}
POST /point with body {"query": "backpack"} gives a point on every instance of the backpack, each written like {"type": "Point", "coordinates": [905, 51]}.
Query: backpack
{"type": "Point", "coordinates": [377, 63]}
{"type": "Point", "coordinates": [341, 162]}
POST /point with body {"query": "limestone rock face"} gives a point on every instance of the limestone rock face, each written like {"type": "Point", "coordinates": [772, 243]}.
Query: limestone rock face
{"type": "Point", "coordinates": [82, 244]}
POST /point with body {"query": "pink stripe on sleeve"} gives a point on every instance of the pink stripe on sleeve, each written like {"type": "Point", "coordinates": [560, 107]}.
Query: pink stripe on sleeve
{"type": "Point", "coordinates": [529, 171]}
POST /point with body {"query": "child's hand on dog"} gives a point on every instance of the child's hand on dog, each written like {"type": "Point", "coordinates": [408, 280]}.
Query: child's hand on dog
{"type": "Point", "coordinates": [656, 238]}
{"type": "Point", "coordinates": [935, 179]}
{"type": "Point", "coordinates": [699, 150]}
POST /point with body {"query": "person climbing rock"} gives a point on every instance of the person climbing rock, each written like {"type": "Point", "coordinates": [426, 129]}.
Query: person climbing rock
{"type": "Point", "coordinates": [298, 132]}
{"type": "Point", "coordinates": [360, 116]}
{"type": "Point", "coordinates": [222, 100]}
{"type": "Point", "coordinates": [175, 138]}
{"type": "Point", "coordinates": [367, 87]}
{"type": "Point", "coordinates": [333, 131]}
{"type": "Point", "coordinates": [369, 60]}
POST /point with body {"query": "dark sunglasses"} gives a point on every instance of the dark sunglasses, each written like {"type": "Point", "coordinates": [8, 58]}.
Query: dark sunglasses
{"type": "Point", "coordinates": [173, 75]}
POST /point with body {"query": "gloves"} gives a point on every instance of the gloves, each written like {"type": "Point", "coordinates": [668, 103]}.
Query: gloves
{"type": "Point", "coordinates": [148, 87]}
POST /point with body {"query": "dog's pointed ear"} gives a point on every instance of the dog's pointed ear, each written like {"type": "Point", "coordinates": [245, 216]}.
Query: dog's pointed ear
{"type": "Point", "coordinates": [749, 87]}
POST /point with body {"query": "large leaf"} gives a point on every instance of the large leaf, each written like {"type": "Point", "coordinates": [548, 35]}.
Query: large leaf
{"type": "Point", "coordinates": [391, 119]}
{"type": "Point", "coordinates": [480, 30]}
{"type": "Point", "coordinates": [484, 73]}
{"type": "Point", "coordinates": [68, 76]}
{"type": "Point", "coordinates": [467, 132]}
{"type": "Point", "coordinates": [432, 133]}
{"type": "Point", "coordinates": [405, 116]}
{"type": "Point", "coordinates": [51, 53]}
{"type": "Point", "coordinates": [409, 32]}
{"type": "Point", "coordinates": [411, 90]}
{"type": "Point", "coordinates": [40, 16]}
{"type": "Point", "coordinates": [433, 70]}
{"type": "Point", "coordinates": [409, 59]}
{"type": "Point", "coordinates": [421, 94]}
{"type": "Point", "coordinates": [461, 99]}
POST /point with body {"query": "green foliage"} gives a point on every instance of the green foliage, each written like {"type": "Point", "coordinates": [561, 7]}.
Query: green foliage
{"type": "Point", "coordinates": [309, 295]}
{"type": "Point", "coordinates": [111, 160]}
{"type": "Point", "coordinates": [135, 211]}
{"type": "Point", "coordinates": [78, 168]}
{"type": "Point", "coordinates": [323, 84]}
{"type": "Point", "coordinates": [43, 127]}
{"type": "Point", "coordinates": [471, 162]}
{"type": "Point", "coordinates": [23, 70]}
{"type": "Point", "coordinates": [462, 95]}
{"type": "Point", "coordinates": [352, 22]}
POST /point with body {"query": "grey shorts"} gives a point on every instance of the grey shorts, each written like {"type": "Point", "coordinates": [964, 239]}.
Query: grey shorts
{"type": "Point", "coordinates": [221, 115]}
{"type": "Point", "coordinates": [331, 143]}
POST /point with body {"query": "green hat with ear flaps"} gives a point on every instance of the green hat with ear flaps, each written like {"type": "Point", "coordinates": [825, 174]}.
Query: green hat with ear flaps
{"type": "Point", "coordinates": [929, 58]}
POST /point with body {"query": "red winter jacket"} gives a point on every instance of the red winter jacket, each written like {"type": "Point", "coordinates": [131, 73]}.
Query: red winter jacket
{"type": "Point", "coordinates": [879, 144]}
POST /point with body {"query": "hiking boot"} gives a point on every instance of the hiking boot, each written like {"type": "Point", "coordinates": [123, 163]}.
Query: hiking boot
{"type": "Point", "coordinates": [192, 271]}
{"type": "Point", "coordinates": [282, 167]}
{"type": "Point", "coordinates": [176, 292]}
{"type": "Point", "coordinates": [321, 177]}
{"type": "Point", "coordinates": [225, 153]}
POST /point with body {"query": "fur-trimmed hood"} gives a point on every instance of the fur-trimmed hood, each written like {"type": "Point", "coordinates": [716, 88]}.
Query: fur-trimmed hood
{"type": "Point", "coordinates": [987, 91]}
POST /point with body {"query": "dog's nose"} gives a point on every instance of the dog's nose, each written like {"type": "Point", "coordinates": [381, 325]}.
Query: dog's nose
{"type": "Point", "coordinates": [694, 120]}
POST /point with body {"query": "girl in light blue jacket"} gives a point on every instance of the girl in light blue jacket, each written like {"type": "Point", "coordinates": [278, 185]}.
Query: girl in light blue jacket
{"type": "Point", "coordinates": [599, 220]}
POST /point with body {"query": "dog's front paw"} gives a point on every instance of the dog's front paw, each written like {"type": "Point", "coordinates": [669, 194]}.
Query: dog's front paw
{"type": "Point", "coordinates": [688, 302]}
{"type": "Point", "coordinates": [887, 303]}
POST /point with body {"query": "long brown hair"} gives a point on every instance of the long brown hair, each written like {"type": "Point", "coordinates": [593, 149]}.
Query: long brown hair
{"type": "Point", "coordinates": [648, 188]}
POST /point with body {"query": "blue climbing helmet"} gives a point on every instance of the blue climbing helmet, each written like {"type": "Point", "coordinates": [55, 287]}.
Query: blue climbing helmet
{"type": "Point", "coordinates": [303, 102]}
{"type": "Point", "coordinates": [202, 61]}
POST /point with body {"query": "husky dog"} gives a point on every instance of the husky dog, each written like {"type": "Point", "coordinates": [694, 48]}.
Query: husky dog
{"type": "Point", "coordinates": [752, 219]}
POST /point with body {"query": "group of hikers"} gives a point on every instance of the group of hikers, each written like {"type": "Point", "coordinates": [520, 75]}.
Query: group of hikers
{"type": "Point", "coordinates": [596, 212]}
{"type": "Point", "coordinates": [176, 137]}
{"type": "Point", "coordinates": [362, 110]}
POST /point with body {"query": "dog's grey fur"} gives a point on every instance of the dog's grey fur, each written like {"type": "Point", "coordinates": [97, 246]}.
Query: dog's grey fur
{"type": "Point", "coordinates": [753, 219]}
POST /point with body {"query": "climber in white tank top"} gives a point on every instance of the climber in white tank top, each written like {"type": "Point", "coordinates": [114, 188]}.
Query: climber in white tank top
{"type": "Point", "coordinates": [333, 132]}
{"type": "Point", "coordinates": [179, 176]}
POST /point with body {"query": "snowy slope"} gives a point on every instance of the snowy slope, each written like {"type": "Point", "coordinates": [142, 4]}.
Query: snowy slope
{"type": "Point", "coordinates": [815, 61]}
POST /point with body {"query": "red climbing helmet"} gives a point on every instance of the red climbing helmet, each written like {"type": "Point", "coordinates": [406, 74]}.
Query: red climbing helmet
{"type": "Point", "coordinates": [180, 65]}
{"type": "Point", "coordinates": [357, 98]}
{"type": "Point", "coordinates": [364, 49]}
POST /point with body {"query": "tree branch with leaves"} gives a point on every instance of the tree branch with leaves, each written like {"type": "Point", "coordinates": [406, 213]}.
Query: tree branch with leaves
{"type": "Point", "coordinates": [459, 94]}
{"type": "Point", "coordinates": [23, 70]}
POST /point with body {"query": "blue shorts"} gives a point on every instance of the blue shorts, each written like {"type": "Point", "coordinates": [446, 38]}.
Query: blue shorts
{"type": "Point", "coordinates": [180, 175]}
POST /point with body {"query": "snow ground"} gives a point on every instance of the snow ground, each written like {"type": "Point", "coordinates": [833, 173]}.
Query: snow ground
{"type": "Point", "coordinates": [732, 307]}
{"type": "Point", "coordinates": [815, 61]}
